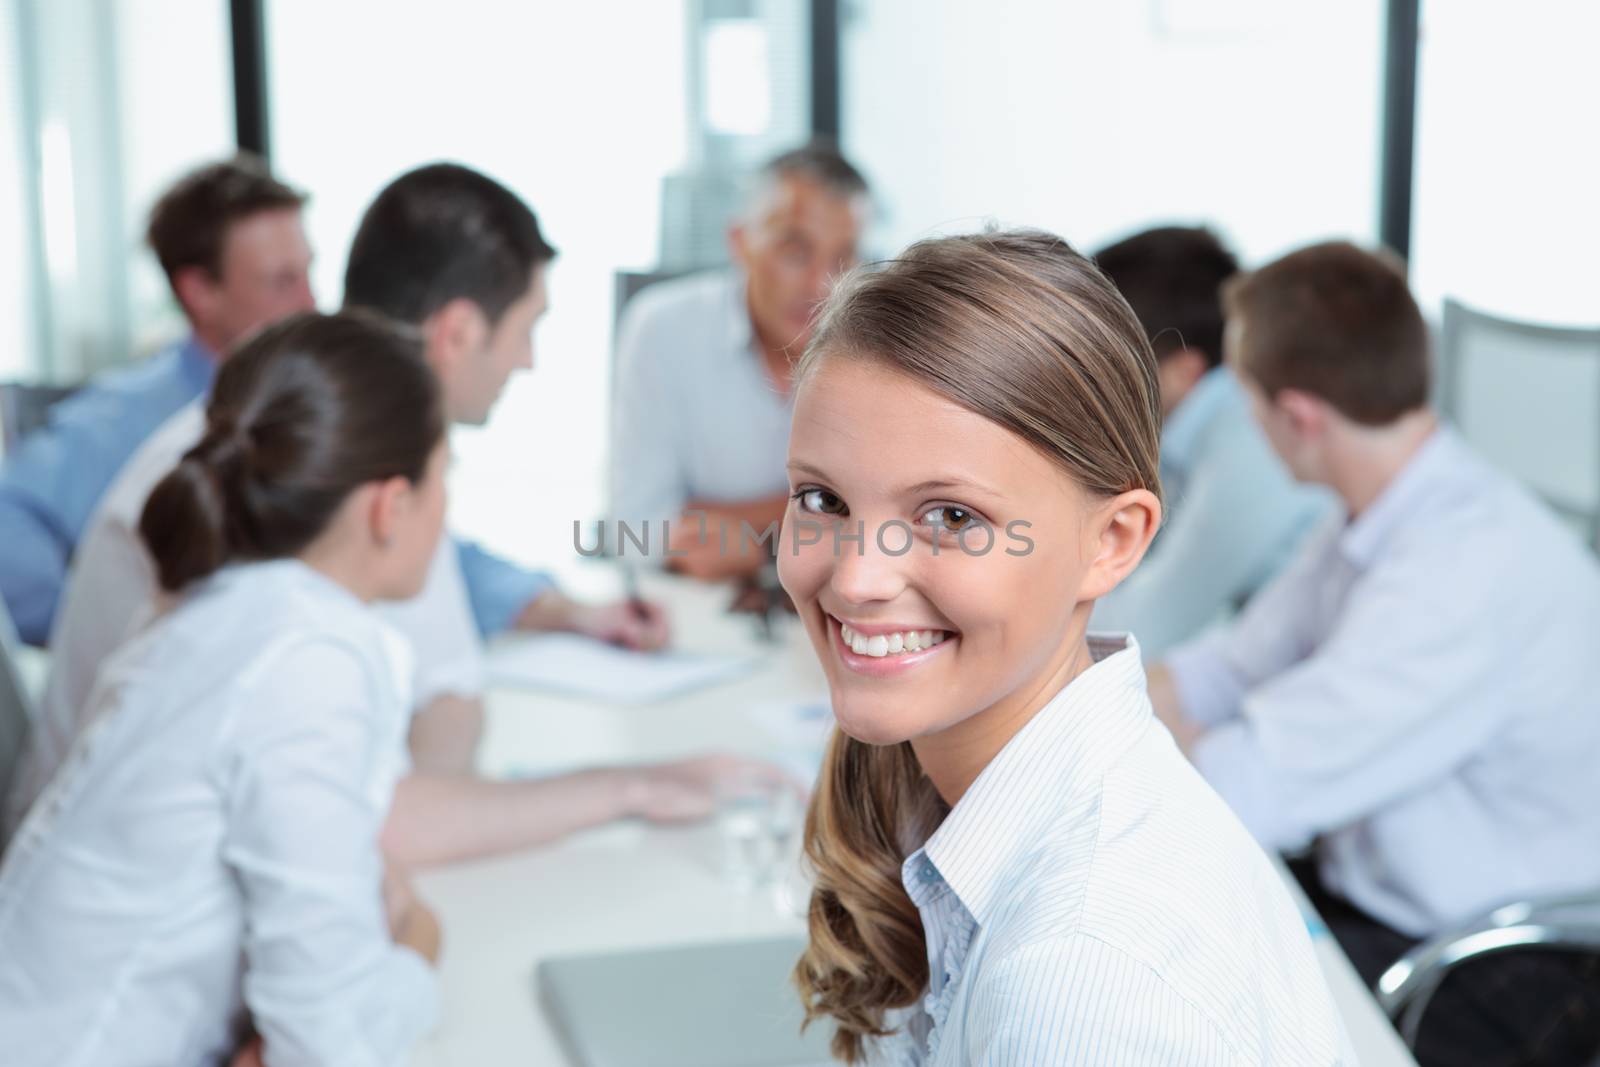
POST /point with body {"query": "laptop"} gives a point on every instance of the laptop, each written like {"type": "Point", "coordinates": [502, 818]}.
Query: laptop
{"type": "Point", "coordinates": [725, 1004]}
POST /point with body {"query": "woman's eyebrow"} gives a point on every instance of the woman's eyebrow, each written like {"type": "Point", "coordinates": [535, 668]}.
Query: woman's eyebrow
{"type": "Point", "coordinates": [948, 483]}
{"type": "Point", "coordinates": [798, 467]}
{"type": "Point", "coordinates": [927, 486]}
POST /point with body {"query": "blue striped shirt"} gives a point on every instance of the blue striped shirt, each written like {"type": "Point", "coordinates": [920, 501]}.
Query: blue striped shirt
{"type": "Point", "coordinates": [1091, 900]}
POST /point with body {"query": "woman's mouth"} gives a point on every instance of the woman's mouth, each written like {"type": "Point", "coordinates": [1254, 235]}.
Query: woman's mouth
{"type": "Point", "coordinates": [883, 650]}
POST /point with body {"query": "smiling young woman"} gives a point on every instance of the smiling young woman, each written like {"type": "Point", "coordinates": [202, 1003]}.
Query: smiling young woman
{"type": "Point", "coordinates": [1014, 864]}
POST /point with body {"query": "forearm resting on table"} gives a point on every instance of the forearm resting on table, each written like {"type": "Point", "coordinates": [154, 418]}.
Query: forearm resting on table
{"type": "Point", "coordinates": [445, 734]}
{"type": "Point", "coordinates": [443, 818]}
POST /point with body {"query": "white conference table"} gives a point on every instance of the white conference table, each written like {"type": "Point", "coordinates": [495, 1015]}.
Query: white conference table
{"type": "Point", "coordinates": [630, 886]}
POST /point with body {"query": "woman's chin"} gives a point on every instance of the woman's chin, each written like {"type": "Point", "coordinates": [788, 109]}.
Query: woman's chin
{"type": "Point", "coordinates": [874, 725]}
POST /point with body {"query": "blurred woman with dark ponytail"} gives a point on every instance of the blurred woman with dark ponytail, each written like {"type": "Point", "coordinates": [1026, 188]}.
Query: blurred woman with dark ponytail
{"type": "Point", "coordinates": [1014, 863]}
{"type": "Point", "coordinates": [206, 861]}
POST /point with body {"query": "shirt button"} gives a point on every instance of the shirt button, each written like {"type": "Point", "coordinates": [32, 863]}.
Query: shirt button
{"type": "Point", "coordinates": [929, 874]}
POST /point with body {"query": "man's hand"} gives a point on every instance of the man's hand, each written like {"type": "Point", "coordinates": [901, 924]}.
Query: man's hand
{"type": "Point", "coordinates": [631, 624]}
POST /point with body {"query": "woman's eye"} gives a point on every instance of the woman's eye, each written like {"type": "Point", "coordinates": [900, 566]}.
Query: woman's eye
{"type": "Point", "coordinates": [820, 501]}
{"type": "Point", "coordinates": [949, 517]}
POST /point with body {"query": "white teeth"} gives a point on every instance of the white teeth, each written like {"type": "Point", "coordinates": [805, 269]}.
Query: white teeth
{"type": "Point", "coordinates": [880, 645]}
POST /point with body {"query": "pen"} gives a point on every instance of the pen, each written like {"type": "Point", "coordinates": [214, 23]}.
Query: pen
{"type": "Point", "coordinates": [630, 581]}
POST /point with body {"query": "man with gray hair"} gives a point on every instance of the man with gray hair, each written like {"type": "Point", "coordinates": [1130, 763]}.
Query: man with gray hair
{"type": "Point", "coordinates": [703, 395]}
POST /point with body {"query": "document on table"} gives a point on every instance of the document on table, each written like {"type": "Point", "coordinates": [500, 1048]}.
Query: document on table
{"type": "Point", "coordinates": [584, 667]}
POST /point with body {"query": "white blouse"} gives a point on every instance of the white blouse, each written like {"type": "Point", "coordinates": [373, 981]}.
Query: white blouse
{"type": "Point", "coordinates": [207, 856]}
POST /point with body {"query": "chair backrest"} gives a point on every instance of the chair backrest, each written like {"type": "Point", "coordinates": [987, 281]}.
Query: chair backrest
{"type": "Point", "coordinates": [16, 715]}
{"type": "Point", "coordinates": [25, 408]}
{"type": "Point", "coordinates": [1528, 397]}
{"type": "Point", "coordinates": [630, 283]}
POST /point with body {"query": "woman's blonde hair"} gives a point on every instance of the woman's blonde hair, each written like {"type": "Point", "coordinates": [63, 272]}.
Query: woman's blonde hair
{"type": "Point", "coordinates": [1018, 328]}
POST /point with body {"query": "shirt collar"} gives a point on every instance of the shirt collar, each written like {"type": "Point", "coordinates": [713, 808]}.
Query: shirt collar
{"type": "Point", "coordinates": [1038, 780]}
{"type": "Point", "coordinates": [197, 363]}
{"type": "Point", "coordinates": [1180, 438]}
{"type": "Point", "coordinates": [1364, 538]}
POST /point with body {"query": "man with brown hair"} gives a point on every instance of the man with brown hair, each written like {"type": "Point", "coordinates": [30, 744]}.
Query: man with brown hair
{"type": "Point", "coordinates": [1417, 693]}
{"type": "Point", "coordinates": [230, 239]}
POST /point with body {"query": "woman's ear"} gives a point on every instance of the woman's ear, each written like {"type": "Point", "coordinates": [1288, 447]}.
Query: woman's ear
{"type": "Point", "coordinates": [386, 508]}
{"type": "Point", "coordinates": [1119, 533]}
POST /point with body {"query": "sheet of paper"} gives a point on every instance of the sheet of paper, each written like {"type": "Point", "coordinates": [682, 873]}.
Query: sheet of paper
{"type": "Point", "coordinates": [583, 667]}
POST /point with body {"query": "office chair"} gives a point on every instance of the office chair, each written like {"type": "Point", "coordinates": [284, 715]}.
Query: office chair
{"type": "Point", "coordinates": [1558, 923]}
{"type": "Point", "coordinates": [1528, 397]}
{"type": "Point", "coordinates": [16, 713]}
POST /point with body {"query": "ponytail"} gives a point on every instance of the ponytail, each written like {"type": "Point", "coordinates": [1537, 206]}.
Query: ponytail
{"type": "Point", "coordinates": [867, 953]}
{"type": "Point", "coordinates": [184, 524]}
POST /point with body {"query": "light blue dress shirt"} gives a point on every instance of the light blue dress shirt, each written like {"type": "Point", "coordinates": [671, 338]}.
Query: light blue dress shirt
{"type": "Point", "coordinates": [697, 415]}
{"type": "Point", "coordinates": [1234, 518]}
{"type": "Point", "coordinates": [1421, 688]}
{"type": "Point", "coordinates": [1090, 900]}
{"type": "Point", "coordinates": [51, 483]}
{"type": "Point", "coordinates": [497, 588]}
{"type": "Point", "coordinates": [50, 486]}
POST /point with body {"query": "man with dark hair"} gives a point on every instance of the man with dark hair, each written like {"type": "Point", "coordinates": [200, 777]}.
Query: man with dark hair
{"type": "Point", "coordinates": [1235, 516]}
{"type": "Point", "coordinates": [459, 257]}
{"type": "Point", "coordinates": [703, 398]}
{"type": "Point", "coordinates": [230, 239]}
{"type": "Point", "coordinates": [1416, 693]}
